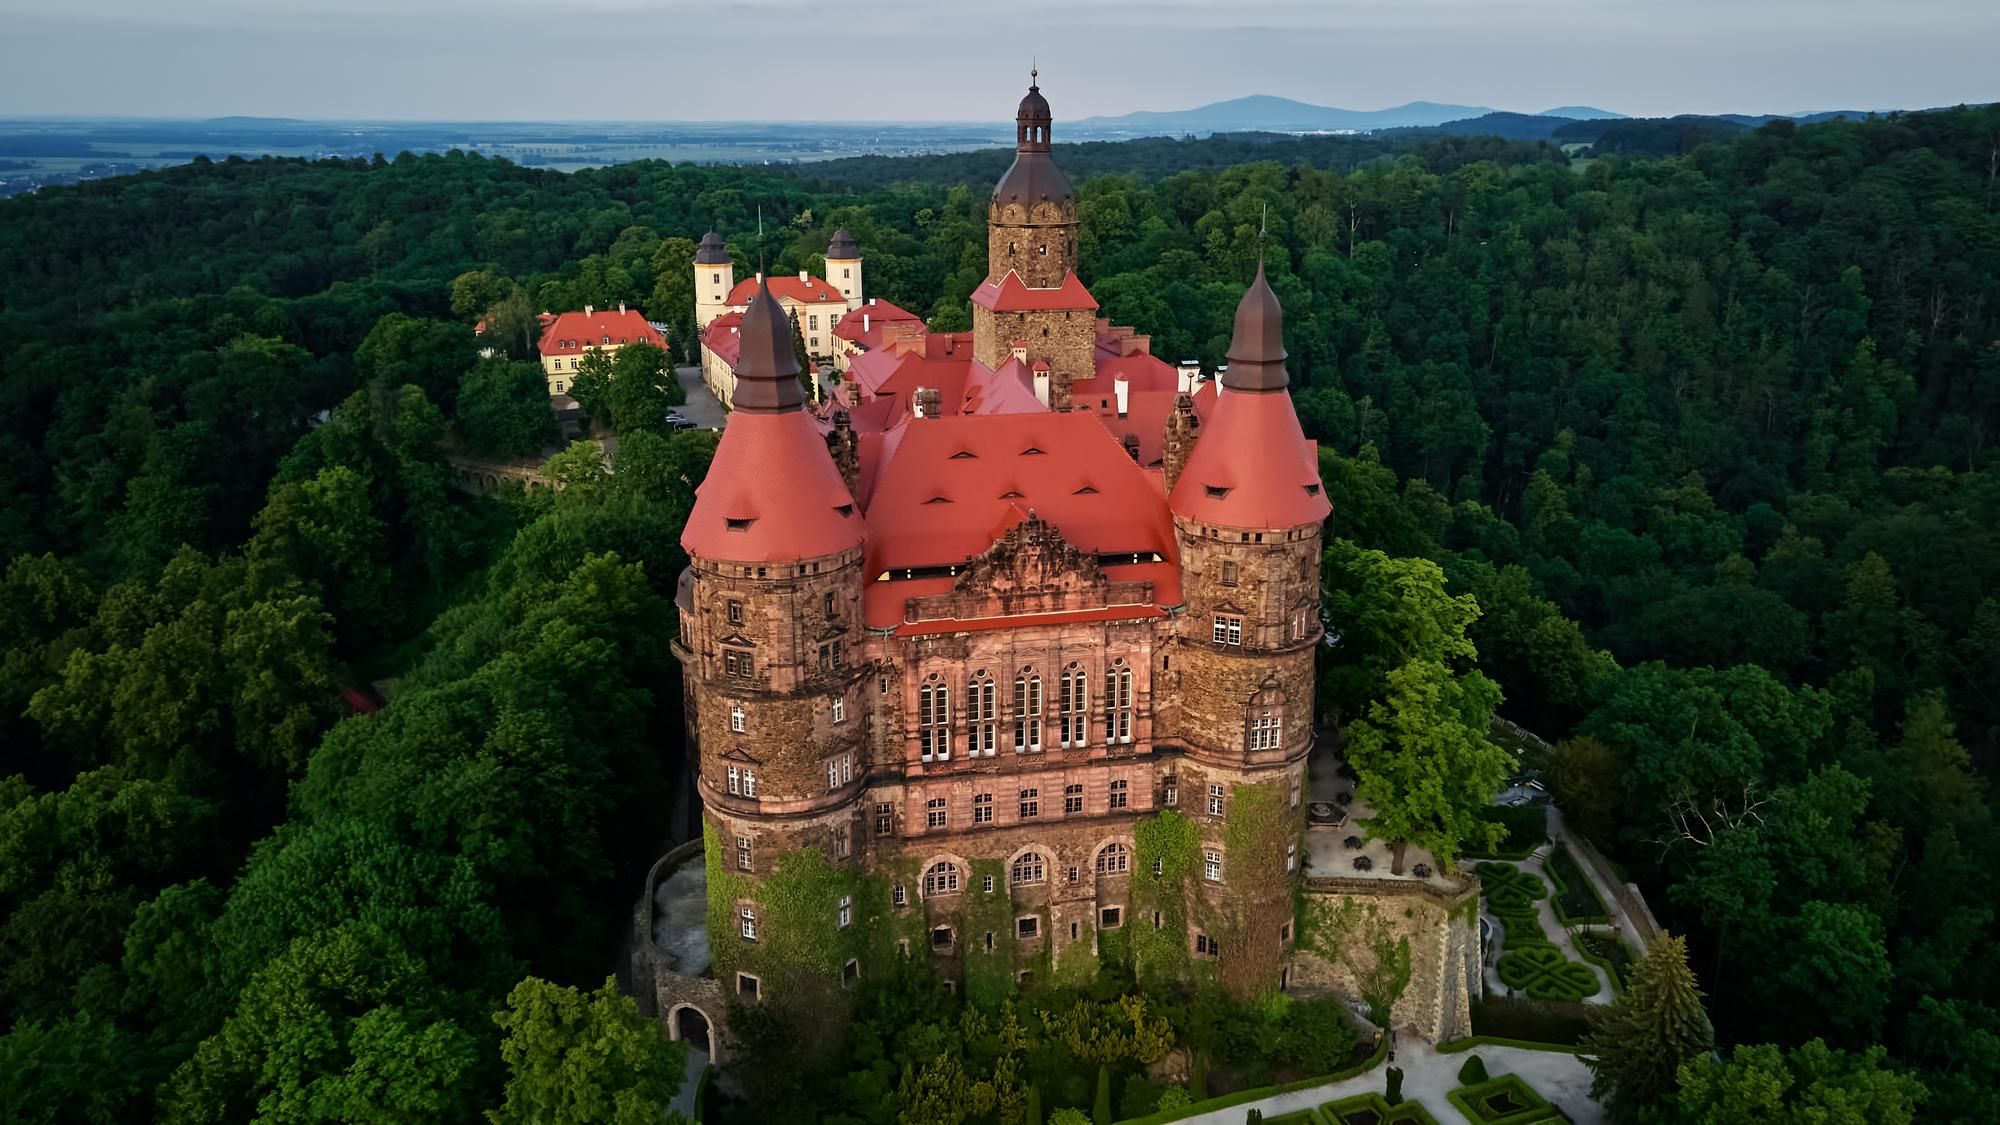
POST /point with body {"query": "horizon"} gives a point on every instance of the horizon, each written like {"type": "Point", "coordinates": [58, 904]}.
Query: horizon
{"type": "Point", "coordinates": [369, 62]}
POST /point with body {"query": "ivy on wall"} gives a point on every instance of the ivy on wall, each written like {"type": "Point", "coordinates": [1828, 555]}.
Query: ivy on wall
{"type": "Point", "coordinates": [1167, 849]}
{"type": "Point", "coordinates": [1355, 935]}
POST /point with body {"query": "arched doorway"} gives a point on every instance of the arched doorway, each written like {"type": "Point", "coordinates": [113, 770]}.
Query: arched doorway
{"type": "Point", "coordinates": [691, 1026]}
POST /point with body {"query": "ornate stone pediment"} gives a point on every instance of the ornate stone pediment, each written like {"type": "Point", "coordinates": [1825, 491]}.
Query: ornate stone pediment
{"type": "Point", "coordinates": [1031, 558]}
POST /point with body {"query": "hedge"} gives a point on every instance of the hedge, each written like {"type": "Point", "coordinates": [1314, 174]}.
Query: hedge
{"type": "Point", "coordinates": [1527, 830]}
{"type": "Point", "coordinates": [1575, 900]}
{"type": "Point", "coordinates": [1536, 1021]}
{"type": "Point", "coordinates": [1470, 1100]}
{"type": "Point", "coordinates": [1407, 1113]}
{"type": "Point", "coordinates": [1614, 967]}
{"type": "Point", "coordinates": [1242, 1096]}
{"type": "Point", "coordinates": [1471, 1041]}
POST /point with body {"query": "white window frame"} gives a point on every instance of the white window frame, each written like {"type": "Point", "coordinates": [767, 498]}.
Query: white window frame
{"type": "Point", "coordinates": [941, 878]}
{"type": "Point", "coordinates": [743, 861]}
{"type": "Point", "coordinates": [1211, 865]}
{"type": "Point", "coordinates": [937, 813]}
{"type": "Point", "coordinates": [1027, 712]}
{"type": "Point", "coordinates": [1215, 800]}
{"type": "Point", "coordinates": [1073, 706]}
{"type": "Point", "coordinates": [846, 911]}
{"type": "Point", "coordinates": [934, 719]}
{"type": "Point", "coordinates": [747, 923]}
{"type": "Point", "coordinates": [984, 701]}
{"type": "Point", "coordinates": [737, 722]}
{"type": "Point", "coordinates": [1118, 703]}
{"type": "Point", "coordinates": [840, 710]}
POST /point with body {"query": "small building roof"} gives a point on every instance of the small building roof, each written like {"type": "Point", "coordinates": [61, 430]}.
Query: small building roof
{"type": "Point", "coordinates": [572, 332]}
{"type": "Point", "coordinates": [1011, 294]}
{"type": "Point", "coordinates": [807, 290]}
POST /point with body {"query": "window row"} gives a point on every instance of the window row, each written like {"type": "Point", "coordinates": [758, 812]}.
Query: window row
{"type": "Point", "coordinates": [1028, 717]}
{"type": "Point", "coordinates": [1028, 804]}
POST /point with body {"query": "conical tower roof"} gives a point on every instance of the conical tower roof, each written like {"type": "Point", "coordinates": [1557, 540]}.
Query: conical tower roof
{"type": "Point", "coordinates": [1252, 466]}
{"type": "Point", "coordinates": [842, 248]}
{"type": "Point", "coordinates": [767, 365]}
{"type": "Point", "coordinates": [1033, 177]}
{"type": "Point", "coordinates": [711, 252]}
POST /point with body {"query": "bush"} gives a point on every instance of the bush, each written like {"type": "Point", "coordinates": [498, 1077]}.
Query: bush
{"type": "Point", "coordinates": [1100, 1109]}
{"type": "Point", "coordinates": [1527, 829]}
{"type": "Point", "coordinates": [1315, 1036]}
{"type": "Point", "coordinates": [1173, 1097]}
{"type": "Point", "coordinates": [1254, 1117]}
{"type": "Point", "coordinates": [1394, 1095]}
{"type": "Point", "coordinates": [1473, 1072]}
{"type": "Point", "coordinates": [1545, 974]}
{"type": "Point", "coordinates": [1575, 899]}
{"type": "Point", "coordinates": [1198, 1077]}
{"type": "Point", "coordinates": [1068, 1116]}
{"type": "Point", "coordinates": [1536, 1021]}
{"type": "Point", "coordinates": [1139, 1097]}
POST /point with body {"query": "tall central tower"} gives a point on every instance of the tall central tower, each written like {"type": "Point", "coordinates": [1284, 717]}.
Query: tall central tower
{"type": "Point", "coordinates": [1032, 304]}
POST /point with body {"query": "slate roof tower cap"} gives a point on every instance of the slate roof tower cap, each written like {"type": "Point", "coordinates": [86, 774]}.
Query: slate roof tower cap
{"type": "Point", "coordinates": [1033, 176]}
{"type": "Point", "coordinates": [767, 366]}
{"type": "Point", "coordinates": [711, 252]}
{"type": "Point", "coordinates": [842, 247]}
{"type": "Point", "coordinates": [1257, 349]}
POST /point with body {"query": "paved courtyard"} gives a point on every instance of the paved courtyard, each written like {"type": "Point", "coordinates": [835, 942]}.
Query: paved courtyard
{"type": "Point", "coordinates": [1428, 1076]}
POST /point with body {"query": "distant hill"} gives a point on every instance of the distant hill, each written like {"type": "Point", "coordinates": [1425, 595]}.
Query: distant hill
{"type": "Point", "coordinates": [1582, 113]}
{"type": "Point", "coordinates": [1499, 123]}
{"type": "Point", "coordinates": [1262, 112]}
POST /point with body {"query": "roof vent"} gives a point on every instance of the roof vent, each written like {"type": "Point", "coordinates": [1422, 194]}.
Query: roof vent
{"type": "Point", "coordinates": [938, 500]}
{"type": "Point", "coordinates": [964, 455]}
{"type": "Point", "coordinates": [1312, 490]}
{"type": "Point", "coordinates": [1214, 493]}
{"type": "Point", "coordinates": [1031, 451]}
{"type": "Point", "coordinates": [738, 525]}
{"type": "Point", "coordinates": [844, 509]}
{"type": "Point", "coordinates": [1086, 490]}
{"type": "Point", "coordinates": [1011, 494]}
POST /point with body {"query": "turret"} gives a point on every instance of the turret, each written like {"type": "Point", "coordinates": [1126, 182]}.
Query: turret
{"type": "Point", "coordinates": [714, 277]}
{"type": "Point", "coordinates": [772, 628]}
{"type": "Point", "coordinates": [1248, 510]}
{"type": "Point", "coordinates": [843, 267]}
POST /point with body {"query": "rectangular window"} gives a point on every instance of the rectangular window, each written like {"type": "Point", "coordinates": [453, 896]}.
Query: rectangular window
{"type": "Point", "coordinates": [1297, 782]}
{"type": "Point", "coordinates": [934, 813]}
{"type": "Point", "coordinates": [1118, 793]}
{"type": "Point", "coordinates": [1118, 704]}
{"type": "Point", "coordinates": [985, 717]}
{"type": "Point", "coordinates": [738, 663]}
{"type": "Point", "coordinates": [899, 897]}
{"type": "Point", "coordinates": [1072, 799]}
{"type": "Point", "coordinates": [1211, 866]}
{"type": "Point", "coordinates": [735, 613]}
{"type": "Point", "coordinates": [812, 321]}
{"type": "Point", "coordinates": [934, 720]}
{"type": "Point", "coordinates": [1030, 926]}
{"type": "Point", "coordinates": [743, 853]}
{"type": "Point", "coordinates": [1071, 704]}
{"type": "Point", "coordinates": [1228, 573]}
{"type": "Point", "coordinates": [736, 720]}
{"type": "Point", "coordinates": [832, 774]}
{"type": "Point", "coordinates": [843, 841]}
{"type": "Point", "coordinates": [1291, 857]}
{"type": "Point", "coordinates": [1206, 946]}
{"type": "Point", "coordinates": [1228, 629]}
{"type": "Point", "coordinates": [735, 781]}
{"type": "Point", "coordinates": [1031, 803]}
{"type": "Point", "coordinates": [986, 884]}
{"type": "Point", "coordinates": [747, 986]}
{"type": "Point", "coordinates": [1215, 800]}
{"type": "Point", "coordinates": [749, 923]}
{"type": "Point", "coordinates": [1170, 791]}
{"type": "Point", "coordinates": [885, 818]}
{"type": "Point", "coordinates": [1264, 730]}
{"type": "Point", "coordinates": [1110, 918]}
{"type": "Point", "coordinates": [840, 710]}
{"type": "Point", "coordinates": [982, 808]}
{"type": "Point", "coordinates": [846, 911]}
{"type": "Point", "coordinates": [749, 782]}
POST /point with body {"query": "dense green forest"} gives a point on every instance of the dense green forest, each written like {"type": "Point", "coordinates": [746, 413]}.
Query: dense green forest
{"type": "Point", "coordinates": [1707, 438]}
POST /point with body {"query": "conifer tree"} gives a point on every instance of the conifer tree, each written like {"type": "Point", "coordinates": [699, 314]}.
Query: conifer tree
{"type": "Point", "coordinates": [1637, 1044]}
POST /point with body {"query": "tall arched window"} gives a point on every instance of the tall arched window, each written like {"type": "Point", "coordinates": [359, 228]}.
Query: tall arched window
{"type": "Point", "coordinates": [941, 879]}
{"type": "Point", "coordinates": [1027, 712]}
{"type": "Point", "coordinates": [1118, 702]}
{"type": "Point", "coordinates": [1027, 870]}
{"type": "Point", "coordinates": [1072, 706]}
{"type": "Point", "coordinates": [985, 716]}
{"type": "Point", "coordinates": [1114, 859]}
{"type": "Point", "coordinates": [934, 719]}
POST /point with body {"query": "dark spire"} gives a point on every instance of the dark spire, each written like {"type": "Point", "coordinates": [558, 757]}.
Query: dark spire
{"type": "Point", "coordinates": [842, 247]}
{"type": "Point", "coordinates": [1257, 350]}
{"type": "Point", "coordinates": [711, 252]}
{"type": "Point", "coordinates": [1031, 121]}
{"type": "Point", "coordinates": [767, 367]}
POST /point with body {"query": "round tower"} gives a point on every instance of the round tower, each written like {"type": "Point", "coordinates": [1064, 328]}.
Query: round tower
{"type": "Point", "coordinates": [771, 637]}
{"type": "Point", "coordinates": [1031, 221]}
{"type": "Point", "coordinates": [714, 277]}
{"type": "Point", "coordinates": [1249, 510]}
{"type": "Point", "coordinates": [843, 267]}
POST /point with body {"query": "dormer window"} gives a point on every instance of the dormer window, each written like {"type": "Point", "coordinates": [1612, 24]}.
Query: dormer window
{"type": "Point", "coordinates": [1312, 490]}
{"type": "Point", "coordinates": [964, 455]}
{"type": "Point", "coordinates": [1031, 451]}
{"type": "Point", "coordinates": [1214, 493]}
{"type": "Point", "coordinates": [737, 525]}
{"type": "Point", "coordinates": [1086, 490]}
{"type": "Point", "coordinates": [845, 510]}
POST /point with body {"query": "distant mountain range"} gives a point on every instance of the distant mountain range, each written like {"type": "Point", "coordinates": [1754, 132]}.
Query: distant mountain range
{"type": "Point", "coordinates": [1262, 112]}
{"type": "Point", "coordinates": [1265, 113]}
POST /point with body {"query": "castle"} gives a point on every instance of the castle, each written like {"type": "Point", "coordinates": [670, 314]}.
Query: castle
{"type": "Point", "coordinates": [1004, 657]}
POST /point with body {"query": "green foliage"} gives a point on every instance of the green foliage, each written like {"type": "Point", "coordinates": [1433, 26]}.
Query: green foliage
{"type": "Point", "coordinates": [1170, 844]}
{"type": "Point", "coordinates": [575, 1057]}
{"type": "Point", "coordinates": [1472, 1072]}
{"type": "Point", "coordinates": [1506, 1100]}
{"type": "Point", "coordinates": [1545, 974]}
{"type": "Point", "coordinates": [503, 408]}
{"type": "Point", "coordinates": [1636, 1045]}
{"type": "Point", "coordinates": [1355, 934]}
{"type": "Point", "coordinates": [1508, 889]}
{"type": "Point", "coordinates": [1811, 1083]}
{"type": "Point", "coordinates": [1525, 829]}
{"type": "Point", "coordinates": [1575, 900]}
{"type": "Point", "coordinates": [1393, 1094]}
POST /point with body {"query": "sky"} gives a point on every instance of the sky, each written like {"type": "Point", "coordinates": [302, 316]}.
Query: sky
{"type": "Point", "coordinates": [902, 60]}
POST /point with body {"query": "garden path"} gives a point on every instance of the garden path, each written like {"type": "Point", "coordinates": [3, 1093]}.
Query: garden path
{"type": "Point", "coordinates": [683, 1103]}
{"type": "Point", "coordinates": [1428, 1075]}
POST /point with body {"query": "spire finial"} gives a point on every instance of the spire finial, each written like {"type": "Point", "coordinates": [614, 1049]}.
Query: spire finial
{"type": "Point", "coordinates": [1034, 72]}
{"type": "Point", "coordinates": [1263, 224]}
{"type": "Point", "coordinates": [760, 240]}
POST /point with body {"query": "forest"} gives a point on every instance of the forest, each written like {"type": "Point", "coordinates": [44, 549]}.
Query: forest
{"type": "Point", "coordinates": [1708, 440]}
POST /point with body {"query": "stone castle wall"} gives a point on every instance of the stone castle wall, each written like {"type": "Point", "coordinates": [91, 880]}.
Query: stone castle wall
{"type": "Point", "coordinates": [1443, 934]}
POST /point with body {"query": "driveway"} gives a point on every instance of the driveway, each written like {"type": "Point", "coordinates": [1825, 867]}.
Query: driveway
{"type": "Point", "coordinates": [1428, 1075]}
{"type": "Point", "coordinates": [701, 407]}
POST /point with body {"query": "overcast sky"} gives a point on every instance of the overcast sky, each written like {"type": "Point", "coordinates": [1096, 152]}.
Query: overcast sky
{"type": "Point", "coordinates": [662, 60]}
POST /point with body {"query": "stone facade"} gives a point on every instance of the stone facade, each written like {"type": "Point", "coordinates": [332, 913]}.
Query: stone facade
{"type": "Point", "coordinates": [1442, 930]}
{"type": "Point", "coordinates": [1065, 339]}
{"type": "Point", "coordinates": [1037, 242]}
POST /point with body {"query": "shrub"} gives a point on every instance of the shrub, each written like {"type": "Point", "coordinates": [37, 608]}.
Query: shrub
{"type": "Point", "coordinates": [1100, 1109]}
{"type": "Point", "coordinates": [1545, 974]}
{"type": "Point", "coordinates": [1198, 1077]}
{"type": "Point", "coordinates": [1173, 1097]}
{"type": "Point", "coordinates": [1315, 1036]}
{"type": "Point", "coordinates": [1068, 1116]}
{"type": "Point", "coordinates": [1139, 1097]}
{"type": "Point", "coordinates": [1575, 899]}
{"type": "Point", "coordinates": [1394, 1095]}
{"type": "Point", "coordinates": [1527, 829]}
{"type": "Point", "coordinates": [1535, 1021]}
{"type": "Point", "coordinates": [1473, 1072]}
{"type": "Point", "coordinates": [1508, 888]}
{"type": "Point", "coordinates": [1254, 1117]}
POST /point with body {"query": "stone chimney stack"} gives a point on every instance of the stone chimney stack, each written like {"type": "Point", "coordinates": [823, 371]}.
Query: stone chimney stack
{"type": "Point", "coordinates": [846, 450]}
{"type": "Point", "coordinates": [925, 402]}
{"type": "Point", "coordinates": [1183, 427]}
{"type": "Point", "coordinates": [589, 310]}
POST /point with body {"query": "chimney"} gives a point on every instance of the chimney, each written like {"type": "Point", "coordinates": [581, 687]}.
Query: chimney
{"type": "Point", "coordinates": [1122, 387]}
{"type": "Point", "coordinates": [864, 324]}
{"type": "Point", "coordinates": [802, 275]}
{"type": "Point", "coordinates": [1189, 374]}
{"type": "Point", "coordinates": [1042, 383]}
{"type": "Point", "coordinates": [924, 404]}
{"type": "Point", "coordinates": [588, 310]}
{"type": "Point", "coordinates": [1220, 371]}
{"type": "Point", "coordinates": [1018, 350]}
{"type": "Point", "coordinates": [871, 301]}
{"type": "Point", "coordinates": [1183, 427]}
{"type": "Point", "coordinates": [1132, 446]}
{"type": "Point", "coordinates": [621, 308]}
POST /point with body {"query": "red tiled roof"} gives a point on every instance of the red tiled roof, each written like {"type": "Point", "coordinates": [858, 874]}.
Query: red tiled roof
{"type": "Point", "coordinates": [1011, 294]}
{"type": "Point", "coordinates": [809, 290]}
{"type": "Point", "coordinates": [1252, 466]}
{"type": "Point", "coordinates": [1146, 417]}
{"type": "Point", "coordinates": [772, 494]}
{"type": "Point", "coordinates": [1143, 372]}
{"type": "Point", "coordinates": [572, 332]}
{"type": "Point", "coordinates": [721, 338]}
{"type": "Point", "coordinates": [937, 489]}
{"type": "Point", "coordinates": [876, 314]}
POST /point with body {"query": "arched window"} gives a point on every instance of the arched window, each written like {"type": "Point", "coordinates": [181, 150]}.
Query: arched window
{"type": "Point", "coordinates": [1118, 702]}
{"type": "Point", "coordinates": [1114, 859]}
{"type": "Point", "coordinates": [1027, 712]}
{"type": "Point", "coordinates": [934, 719]}
{"type": "Point", "coordinates": [985, 716]}
{"type": "Point", "coordinates": [941, 879]}
{"type": "Point", "coordinates": [1264, 718]}
{"type": "Point", "coordinates": [1072, 706]}
{"type": "Point", "coordinates": [1027, 870]}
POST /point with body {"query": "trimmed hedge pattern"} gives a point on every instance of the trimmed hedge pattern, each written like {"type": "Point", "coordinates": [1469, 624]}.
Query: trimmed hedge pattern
{"type": "Point", "coordinates": [1508, 888]}
{"type": "Point", "coordinates": [1545, 974]}
{"type": "Point", "coordinates": [1471, 1101]}
{"type": "Point", "coordinates": [1408, 1113]}
{"type": "Point", "coordinates": [1575, 899]}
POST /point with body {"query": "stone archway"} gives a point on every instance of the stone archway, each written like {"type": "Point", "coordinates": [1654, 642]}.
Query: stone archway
{"type": "Point", "coordinates": [692, 1025]}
